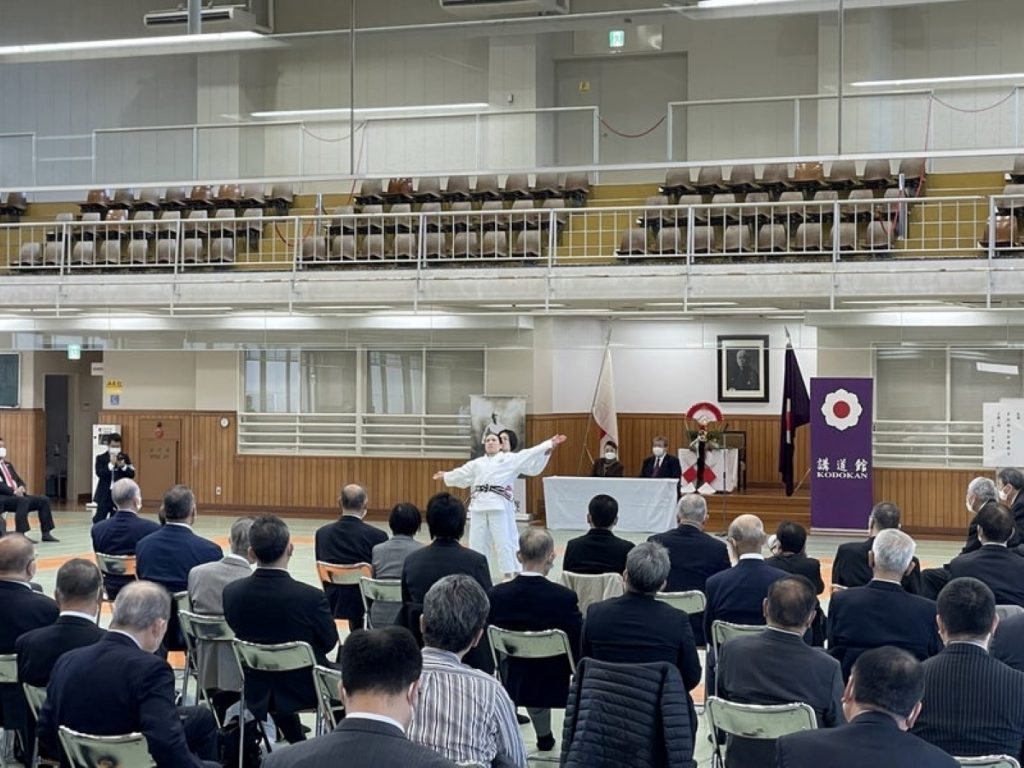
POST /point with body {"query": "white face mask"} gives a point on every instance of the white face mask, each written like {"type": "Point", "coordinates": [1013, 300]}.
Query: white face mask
{"type": "Point", "coordinates": [114, 451]}
{"type": "Point", "coordinates": [658, 451]}
{"type": "Point", "coordinates": [609, 455]}
{"type": "Point", "coordinates": [3, 453]}
{"type": "Point", "coordinates": [1003, 495]}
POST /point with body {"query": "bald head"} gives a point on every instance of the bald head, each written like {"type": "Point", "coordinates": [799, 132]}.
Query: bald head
{"type": "Point", "coordinates": [536, 550]}
{"type": "Point", "coordinates": [353, 500]}
{"type": "Point", "coordinates": [17, 558]}
{"type": "Point", "coordinates": [746, 533]}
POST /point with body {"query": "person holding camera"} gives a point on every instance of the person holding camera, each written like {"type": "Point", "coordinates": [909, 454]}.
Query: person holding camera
{"type": "Point", "coordinates": [111, 466]}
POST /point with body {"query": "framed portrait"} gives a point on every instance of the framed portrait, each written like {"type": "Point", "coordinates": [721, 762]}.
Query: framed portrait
{"type": "Point", "coordinates": [743, 369]}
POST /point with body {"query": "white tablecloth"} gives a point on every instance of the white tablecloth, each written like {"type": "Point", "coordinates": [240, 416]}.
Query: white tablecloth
{"type": "Point", "coordinates": [725, 464]}
{"type": "Point", "coordinates": [645, 505]}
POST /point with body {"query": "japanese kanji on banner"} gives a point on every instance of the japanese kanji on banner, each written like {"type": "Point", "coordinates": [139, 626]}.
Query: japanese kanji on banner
{"type": "Point", "coordinates": [842, 491]}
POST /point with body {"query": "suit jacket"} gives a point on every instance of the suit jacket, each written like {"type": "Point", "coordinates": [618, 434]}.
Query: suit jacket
{"type": "Point", "coordinates": [604, 468]}
{"type": "Point", "coordinates": [425, 567]}
{"type": "Point", "coordinates": [206, 585]}
{"type": "Point", "coordinates": [973, 703]}
{"type": "Point", "coordinates": [759, 669]}
{"type": "Point", "coordinates": [168, 554]}
{"type": "Point", "coordinates": [1017, 510]}
{"type": "Point", "coordinates": [119, 535]}
{"type": "Point", "coordinates": [850, 567]}
{"type": "Point", "coordinates": [532, 603]}
{"type": "Point", "coordinates": [272, 607]}
{"type": "Point", "coordinates": [105, 477]}
{"type": "Point", "coordinates": [114, 687]}
{"type": "Point", "coordinates": [39, 649]}
{"type": "Point", "coordinates": [695, 556]}
{"type": "Point", "coordinates": [388, 557]}
{"type": "Point", "coordinates": [347, 541]}
{"type": "Point", "coordinates": [871, 739]}
{"type": "Point", "coordinates": [670, 467]}
{"type": "Point", "coordinates": [5, 489]}
{"type": "Point", "coordinates": [736, 595]}
{"type": "Point", "coordinates": [800, 564]}
{"type": "Point", "coordinates": [636, 629]}
{"type": "Point", "coordinates": [880, 613]}
{"type": "Point", "coordinates": [1000, 568]}
{"type": "Point", "coordinates": [21, 610]}
{"type": "Point", "coordinates": [364, 744]}
{"type": "Point", "coordinates": [597, 551]}
{"type": "Point", "coordinates": [1008, 644]}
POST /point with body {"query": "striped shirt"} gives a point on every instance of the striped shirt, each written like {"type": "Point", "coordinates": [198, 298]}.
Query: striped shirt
{"type": "Point", "coordinates": [464, 714]}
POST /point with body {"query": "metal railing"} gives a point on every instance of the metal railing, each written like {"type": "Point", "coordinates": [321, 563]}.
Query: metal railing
{"type": "Point", "coordinates": [351, 434]}
{"type": "Point", "coordinates": [928, 443]}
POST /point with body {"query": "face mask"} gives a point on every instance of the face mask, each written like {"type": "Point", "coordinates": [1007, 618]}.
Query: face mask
{"type": "Point", "coordinates": [970, 509]}
{"type": "Point", "coordinates": [658, 451]}
{"type": "Point", "coordinates": [3, 453]}
{"type": "Point", "coordinates": [609, 455]}
{"type": "Point", "coordinates": [1003, 495]}
{"type": "Point", "coordinates": [114, 451]}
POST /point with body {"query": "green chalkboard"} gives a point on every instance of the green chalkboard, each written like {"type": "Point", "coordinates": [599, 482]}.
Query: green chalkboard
{"type": "Point", "coordinates": [10, 380]}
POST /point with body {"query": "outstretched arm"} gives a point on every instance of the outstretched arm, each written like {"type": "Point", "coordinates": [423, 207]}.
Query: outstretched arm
{"type": "Point", "coordinates": [460, 477]}
{"type": "Point", "coordinates": [532, 461]}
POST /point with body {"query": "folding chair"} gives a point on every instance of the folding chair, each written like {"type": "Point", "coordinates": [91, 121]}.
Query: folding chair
{"type": "Point", "coordinates": [87, 751]}
{"type": "Point", "coordinates": [691, 601]}
{"type": "Point", "coordinates": [379, 591]}
{"type": "Point", "coordinates": [592, 588]}
{"type": "Point", "coordinates": [990, 761]}
{"type": "Point", "coordinates": [36, 697]}
{"type": "Point", "coordinates": [723, 631]}
{"type": "Point", "coordinates": [200, 630]}
{"type": "Point", "coordinates": [755, 721]}
{"type": "Point", "coordinates": [115, 565]}
{"type": "Point", "coordinates": [326, 681]}
{"type": "Point", "coordinates": [8, 676]}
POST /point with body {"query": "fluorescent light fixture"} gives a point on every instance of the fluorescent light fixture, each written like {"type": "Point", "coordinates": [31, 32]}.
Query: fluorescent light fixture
{"type": "Point", "coordinates": [522, 306]}
{"type": "Point", "coordinates": [1006, 370]}
{"type": "Point", "coordinates": [664, 304]}
{"type": "Point", "coordinates": [737, 3]}
{"type": "Point", "coordinates": [712, 304]}
{"type": "Point", "coordinates": [342, 111]}
{"type": "Point", "coordinates": [162, 41]}
{"type": "Point", "coordinates": [893, 302]}
{"type": "Point", "coordinates": [950, 80]}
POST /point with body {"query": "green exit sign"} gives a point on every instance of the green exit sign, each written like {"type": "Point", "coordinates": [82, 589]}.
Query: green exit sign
{"type": "Point", "coordinates": [616, 38]}
{"type": "Point", "coordinates": [74, 351]}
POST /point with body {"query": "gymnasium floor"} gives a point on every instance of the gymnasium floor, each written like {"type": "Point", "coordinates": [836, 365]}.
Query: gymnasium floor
{"type": "Point", "coordinates": [73, 532]}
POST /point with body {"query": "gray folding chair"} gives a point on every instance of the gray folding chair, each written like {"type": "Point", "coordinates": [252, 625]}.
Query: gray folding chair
{"type": "Point", "coordinates": [691, 601]}
{"type": "Point", "coordinates": [722, 631]}
{"type": "Point", "coordinates": [1006, 611]}
{"type": "Point", "coordinates": [326, 681]}
{"type": "Point", "coordinates": [8, 676]}
{"type": "Point", "coordinates": [755, 721]}
{"type": "Point", "coordinates": [115, 565]}
{"type": "Point", "coordinates": [990, 761]}
{"type": "Point", "coordinates": [592, 588]}
{"type": "Point", "coordinates": [200, 630]}
{"type": "Point", "coordinates": [383, 591]}
{"type": "Point", "coordinates": [36, 697]}
{"type": "Point", "coordinates": [86, 751]}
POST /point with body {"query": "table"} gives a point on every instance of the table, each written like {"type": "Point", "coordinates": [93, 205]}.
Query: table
{"type": "Point", "coordinates": [646, 505]}
{"type": "Point", "coordinates": [725, 464]}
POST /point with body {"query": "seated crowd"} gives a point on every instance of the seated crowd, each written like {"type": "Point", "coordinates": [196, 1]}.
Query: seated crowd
{"type": "Point", "coordinates": [918, 666]}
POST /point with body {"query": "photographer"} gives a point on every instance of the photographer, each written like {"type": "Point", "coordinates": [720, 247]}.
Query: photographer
{"type": "Point", "coordinates": [111, 466]}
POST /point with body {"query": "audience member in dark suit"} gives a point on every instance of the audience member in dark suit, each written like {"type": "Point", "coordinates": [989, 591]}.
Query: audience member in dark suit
{"type": "Point", "coordinates": [851, 568]}
{"type": "Point", "coordinates": [111, 465]}
{"type": "Point", "coordinates": [661, 463]}
{"type": "Point", "coordinates": [608, 465]}
{"type": "Point", "coordinates": [272, 607]}
{"type": "Point", "coordinates": [695, 555]}
{"type": "Point", "coordinates": [348, 541]}
{"type": "Point", "coordinates": [1008, 642]}
{"type": "Point", "coordinates": [778, 667]}
{"type": "Point", "coordinates": [15, 498]}
{"type": "Point", "coordinates": [636, 628]}
{"type": "Point", "coordinates": [598, 550]}
{"type": "Point", "coordinates": [123, 531]}
{"type": "Point", "coordinates": [446, 521]}
{"type": "Point", "coordinates": [882, 612]}
{"type": "Point", "coordinates": [168, 554]}
{"type": "Point", "coordinates": [934, 579]}
{"type": "Point", "coordinates": [881, 702]}
{"type": "Point", "coordinates": [1010, 483]}
{"type": "Point", "coordinates": [1000, 568]}
{"type": "Point", "coordinates": [973, 704]}
{"type": "Point", "coordinates": [790, 555]}
{"type": "Point", "coordinates": [119, 685]}
{"type": "Point", "coordinates": [980, 491]}
{"type": "Point", "coordinates": [382, 678]}
{"type": "Point", "coordinates": [532, 603]}
{"type": "Point", "coordinates": [21, 609]}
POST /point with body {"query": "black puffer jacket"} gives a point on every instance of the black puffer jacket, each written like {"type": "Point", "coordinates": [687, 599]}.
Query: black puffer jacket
{"type": "Point", "coordinates": [627, 716]}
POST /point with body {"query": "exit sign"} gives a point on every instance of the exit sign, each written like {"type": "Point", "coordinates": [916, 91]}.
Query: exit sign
{"type": "Point", "coordinates": [74, 351]}
{"type": "Point", "coordinates": [616, 38]}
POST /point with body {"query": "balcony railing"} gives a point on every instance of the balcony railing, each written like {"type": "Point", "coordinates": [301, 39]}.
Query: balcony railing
{"type": "Point", "coordinates": [928, 443]}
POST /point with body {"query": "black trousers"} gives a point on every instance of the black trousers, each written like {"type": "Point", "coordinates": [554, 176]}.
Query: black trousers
{"type": "Point", "coordinates": [103, 511]}
{"type": "Point", "coordinates": [200, 732]}
{"type": "Point", "coordinates": [22, 505]}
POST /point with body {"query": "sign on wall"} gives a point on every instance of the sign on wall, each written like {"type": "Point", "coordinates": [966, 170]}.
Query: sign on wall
{"type": "Point", "coordinates": [842, 490]}
{"type": "Point", "coordinates": [1003, 433]}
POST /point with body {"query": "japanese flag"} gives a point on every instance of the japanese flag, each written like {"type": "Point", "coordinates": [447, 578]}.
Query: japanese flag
{"type": "Point", "coordinates": [604, 403]}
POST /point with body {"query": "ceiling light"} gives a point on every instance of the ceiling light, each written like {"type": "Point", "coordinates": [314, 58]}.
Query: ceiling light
{"type": "Point", "coordinates": [522, 306]}
{"type": "Point", "coordinates": [735, 3]}
{"type": "Point", "coordinates": [712, 304]}
{"type": "Point", "coordinates": [369, 111]}
{"type": "Point", "coordinates": [951, 80]}
{"type": "Point", "coordinates": [893, 302]}
{"type": "Point", "coordinates": [663, 304]}
{"type": "Point", "coordinates": [159, 41]}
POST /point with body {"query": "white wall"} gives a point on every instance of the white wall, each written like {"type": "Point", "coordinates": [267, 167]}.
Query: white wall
{"type": "Point", "coordinates": [174, 380]}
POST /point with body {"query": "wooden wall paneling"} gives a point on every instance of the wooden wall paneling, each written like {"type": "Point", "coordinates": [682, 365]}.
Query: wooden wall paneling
{"type": "Point", "coordinates": [930, 500]}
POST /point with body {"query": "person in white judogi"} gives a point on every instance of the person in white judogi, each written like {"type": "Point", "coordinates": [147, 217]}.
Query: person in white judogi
{"type": "Point", "coordinates": [491, 507]}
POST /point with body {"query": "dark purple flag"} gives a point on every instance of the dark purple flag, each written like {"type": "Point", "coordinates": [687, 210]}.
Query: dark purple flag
{"type": "Point", "coordinates": [796, 411]}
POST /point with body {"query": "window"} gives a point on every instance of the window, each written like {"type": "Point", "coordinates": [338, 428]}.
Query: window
{"type": "Point", "coordinates": [329, 382]}
{"type": "Point", "coordinates": [910, 384]}
{"type": "Point", "coordinates": [394, 382]}
{"type": "Point", "coordinates": [272, 381]}
{"type": "Point", "coordinates": [451, 378]}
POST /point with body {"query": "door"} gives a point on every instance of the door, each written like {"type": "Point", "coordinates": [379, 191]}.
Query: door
{"type": "Point", "coordinates": [157, 463]}
{"type": "Point", "coordinates": [56, 408]}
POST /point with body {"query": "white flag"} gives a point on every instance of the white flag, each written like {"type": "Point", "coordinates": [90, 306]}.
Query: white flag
{"type": "Point", "coordinates": [604, 403]}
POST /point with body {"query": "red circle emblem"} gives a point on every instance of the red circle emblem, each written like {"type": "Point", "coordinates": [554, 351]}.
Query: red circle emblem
{"type": "Point", "coordinates": [841, 409]}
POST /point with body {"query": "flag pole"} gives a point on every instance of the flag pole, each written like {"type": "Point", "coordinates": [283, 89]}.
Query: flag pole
{"type": "Point", "coordinates": [585, 449]}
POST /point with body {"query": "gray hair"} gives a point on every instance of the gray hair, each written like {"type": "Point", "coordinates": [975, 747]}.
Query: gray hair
{"type": "Point", "coordinates": [240, 535]}
{"type": "Point", "coordinates": [139, 605]}
{"type": "Point", "coordinates": [647, 567]}
{"type": "Point", "coordinates": [692, 508]}
{"type": "Point", "coordinates": [893, 550]}
{"type": "Point", "coordinates": [123, 491]}
{"type": "Point", "coordinates": [454, 610]}
{"type": "Point", "coordinates": [352, 498]}
{"type": "Point", "coordinates": [747, 534]}
{"type": "Point", "coordinates": [982, 489]}
{"type": "Point", "coordinates": [535, 544]}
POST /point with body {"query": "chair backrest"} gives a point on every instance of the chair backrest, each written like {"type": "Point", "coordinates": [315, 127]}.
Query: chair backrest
{"type": "Point", "coordinates": [326, 681]}
{"type": "Point", "coordinates": [990, 761]}
{"type": "Point", "coordinates": [206, 628]}
{"type": "Point", "coordinates": [279, 657]}
{"type": "Point", "coordinates": [592, 588]}
{"type": "Point", "coordinates": [9, 668]}
{"type": "Point", "coordinates": [86, 751]}
{"type": "Point", "coordinates": [723, 631]}
{"type": "Point", "coordinates": [335, 573]}
{"type": "Point", "coordinates": [1006, 611]}
{"type": "Point", "coordinates": [691, 601]}
{"type": "Point", "coordinates": [36, 697]}
{"type": "Point", "coordinates": [382, 590]}
{"type": "Point", "coordinates": [543, 644]}
{"type": "Point", "coordinates": [758, 721]}
{"type": "Point", "coordinates": [116, 565]}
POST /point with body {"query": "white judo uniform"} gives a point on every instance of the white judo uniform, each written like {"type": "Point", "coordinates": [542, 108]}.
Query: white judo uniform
{"type": "Point", "coordinates": [491, 504]}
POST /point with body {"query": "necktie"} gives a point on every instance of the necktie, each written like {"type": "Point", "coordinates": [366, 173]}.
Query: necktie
{"type": "Point", "coordinates": [7, 475]}
{"type": "Point", "coordinates": [657, 466]}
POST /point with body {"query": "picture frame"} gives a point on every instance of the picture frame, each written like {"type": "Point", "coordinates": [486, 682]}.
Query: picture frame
{"type": "Point", "coordinates": [743, 369]}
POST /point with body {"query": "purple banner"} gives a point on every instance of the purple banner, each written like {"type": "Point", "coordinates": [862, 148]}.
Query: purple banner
{"type": "Point", "coordinates": [842, 491]}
